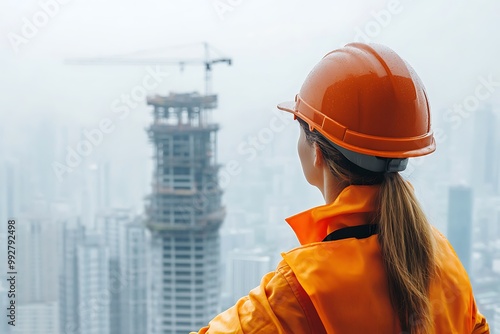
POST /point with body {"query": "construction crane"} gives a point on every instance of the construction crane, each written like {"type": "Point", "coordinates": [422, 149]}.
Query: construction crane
{"type": "Point", "coordinates": [132, 59]}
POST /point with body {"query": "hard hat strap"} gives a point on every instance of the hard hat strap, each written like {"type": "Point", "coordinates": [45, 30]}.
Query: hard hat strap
{"type": "Point", "coordinates": [358, 232]}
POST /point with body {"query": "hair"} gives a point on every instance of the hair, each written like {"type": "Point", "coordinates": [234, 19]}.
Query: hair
{"type": "Point", "coordinates": [405, 236]}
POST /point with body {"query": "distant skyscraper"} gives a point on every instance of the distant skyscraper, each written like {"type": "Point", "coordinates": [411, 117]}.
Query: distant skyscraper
{"type": "Point", "coordinates": [44, 154]}
{"type": "Point", "coordinates": [10, 197]}
{"type": "Point", "coordinates": [108, 225]}
{"type": "Point", "coordinates": [184, 213]}
{"type": "Point", "coordinates": [37, 237]}
{"type": "Point", "coordinates": [232, 238]}
{"type": "Point", "coordinates": [103, 281]}
{"type": "Point", "coordinates": [93, 286]}
{"type": "Point", "coordinates": [99, 179]}
{"type": "Point", "coordinates": [485, 152]}
{"type": "Point", "coordinates": [39, 318]}
{"type": "Point", "coordinates": [37, 282]}
{"type": "Point", "coordinates": [133, 278]}
{"type": "Point", "coordinates": [460, 222]}
{"type": "Point", "coordinates": [72, 233]}
{"type": "Point", "coordinates": [245, 271]}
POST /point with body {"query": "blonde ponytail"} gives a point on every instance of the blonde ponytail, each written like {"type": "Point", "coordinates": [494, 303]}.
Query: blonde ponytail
{"type": "Point", "coordinates": [408, 252]}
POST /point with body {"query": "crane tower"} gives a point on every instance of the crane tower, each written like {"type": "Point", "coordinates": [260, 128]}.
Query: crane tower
{"type": "Point", "coordinates": [184, 210]}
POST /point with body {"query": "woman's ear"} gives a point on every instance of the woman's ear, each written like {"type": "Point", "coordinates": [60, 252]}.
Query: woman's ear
{"type": "Point", "coordinates": [318, 156]}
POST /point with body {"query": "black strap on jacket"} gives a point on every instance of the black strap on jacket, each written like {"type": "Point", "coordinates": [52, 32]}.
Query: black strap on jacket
{"type": "Point", "coordinates": [358, 232]}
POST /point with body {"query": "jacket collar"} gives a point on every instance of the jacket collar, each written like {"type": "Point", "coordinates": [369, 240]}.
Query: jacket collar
{"type": "Point", "coordinates": [353, 206]}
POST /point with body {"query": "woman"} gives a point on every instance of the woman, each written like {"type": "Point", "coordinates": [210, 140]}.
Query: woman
{"type": "Point", "coordinates": [369, 261]}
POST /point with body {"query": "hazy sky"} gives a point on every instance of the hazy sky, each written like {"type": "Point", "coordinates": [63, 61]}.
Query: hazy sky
{"type": "Point", "coordinates": [274, 44]}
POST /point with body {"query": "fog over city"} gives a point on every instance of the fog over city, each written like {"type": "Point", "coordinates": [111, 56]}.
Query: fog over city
{"type": "Point", "coordinates": [77, 165]}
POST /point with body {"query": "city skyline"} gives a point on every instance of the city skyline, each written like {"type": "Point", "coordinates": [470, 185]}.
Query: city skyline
{"type": "Point", "coordinates": [251, 240]}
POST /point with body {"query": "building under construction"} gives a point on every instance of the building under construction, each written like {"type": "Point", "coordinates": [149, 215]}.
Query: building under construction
{"type": "Point", "coordinates": [184, 213]}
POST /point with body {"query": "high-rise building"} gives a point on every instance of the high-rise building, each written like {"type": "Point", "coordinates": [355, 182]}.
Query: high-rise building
{"type": "Point", "coordinates": [37, 237]}
{"type": "Point", "coordinates": [11, 196]}
{"type": "Point", "coordinates": [486, 222]}
{"type": "Point", "coordinates": [37, 282]}
{"type": "Point", "coordinates": [245, 271]}
{"type": "Point", "coordinates": [39, 318]}
{"type": "Point", "coordinates": [72, 232]}
{"type": "Point", "coordinates": [460, 222]}
{"type": "Point", "coordinates": [184, 213]}
{"type": "Point", "coordinates": [231, 239]}
{"type": "Point", "coordinates": [108, 225]}
{"type": "Point", "coordinates": [103, 275]}
{"type": "Point", "coordinates": [93, 285]}
{"type": "Point", "coordinates": [133, 277]}
{"type": "Point", "coordinates": [9, 192]}
{"type": "Point", "coordinates": [485, 152]}
{"type": "Point", "coordinates": [43, 140]}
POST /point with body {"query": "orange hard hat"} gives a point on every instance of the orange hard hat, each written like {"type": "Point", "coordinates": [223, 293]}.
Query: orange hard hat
{"type": "Point", "coordinates": [370, 104]}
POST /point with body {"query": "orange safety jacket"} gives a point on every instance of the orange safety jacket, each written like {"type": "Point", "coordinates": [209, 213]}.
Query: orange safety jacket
{"type": "Point", "coordinates": [341, 286]}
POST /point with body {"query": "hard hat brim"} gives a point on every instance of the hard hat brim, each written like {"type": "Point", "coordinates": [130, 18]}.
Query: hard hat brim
{"type": "Point", "coordinates": [368, 162]}
{"type": "Point", "coordinates": [288, 106]}
{"type": "Point", "coordinates": [291, 107]}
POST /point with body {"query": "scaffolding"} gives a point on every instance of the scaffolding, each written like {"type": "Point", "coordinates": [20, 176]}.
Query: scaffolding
{"type": "Point", "coordinates": [184, 211]}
